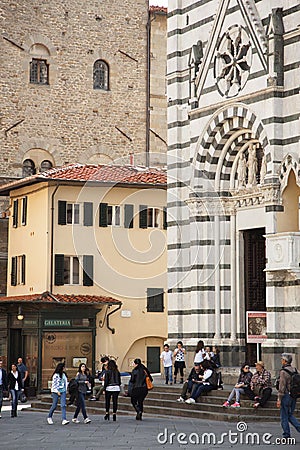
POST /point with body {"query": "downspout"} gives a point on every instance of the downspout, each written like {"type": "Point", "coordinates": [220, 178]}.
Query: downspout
{"type": "Point", "coordinates": [107, 318]}
{"type": "Point", "coordinates": [51, 238]}
{"type": "Point", "coordinates": [148, 27]}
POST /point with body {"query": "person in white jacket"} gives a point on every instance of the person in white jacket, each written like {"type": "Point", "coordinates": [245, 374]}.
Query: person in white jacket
{"type": "Point", "coordinates": [59, 391]}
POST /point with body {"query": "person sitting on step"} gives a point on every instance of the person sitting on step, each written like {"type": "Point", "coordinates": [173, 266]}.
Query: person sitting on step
{"type": "Point", "coordinates": [208, 381]}
{"type": "Point", "coordinates": [242, 387]}
{"type": "Point", "coordinates": [191, 383]}
{"type": "Point", "coordinates": [261, 385]}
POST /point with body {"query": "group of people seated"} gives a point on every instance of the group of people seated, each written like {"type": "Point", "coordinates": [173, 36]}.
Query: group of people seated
{"type": "Point", "coordinates": [257, 386]}
{"type": "Point", "coordinates": [205, 377]}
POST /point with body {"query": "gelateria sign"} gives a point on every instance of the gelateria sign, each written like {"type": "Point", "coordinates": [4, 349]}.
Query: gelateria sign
{"type": "Point", "coordinates": [57, 323]}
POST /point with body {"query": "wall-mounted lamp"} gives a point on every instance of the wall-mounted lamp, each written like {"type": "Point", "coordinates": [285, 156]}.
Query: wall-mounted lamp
{"type": "Point", "coordinates": [20, 315]}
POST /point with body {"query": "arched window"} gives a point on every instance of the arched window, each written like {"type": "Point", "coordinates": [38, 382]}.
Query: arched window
{"type": "Point", "coordinates": [46, 165]}
{"type": "Point", "coordinates": [28, 168]}
{"type": "Point", "coordinates": [39, 71]}
{"type": "Point", "coordinates": [101, 75]}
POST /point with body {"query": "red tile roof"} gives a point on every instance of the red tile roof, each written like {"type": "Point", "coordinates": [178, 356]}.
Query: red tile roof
{"type": "Point", "coordinates": [97, 173]}
{"type": "Point", "coordinates": [158, 9]}
{"type": "Point", "coordinates": [62, 299]}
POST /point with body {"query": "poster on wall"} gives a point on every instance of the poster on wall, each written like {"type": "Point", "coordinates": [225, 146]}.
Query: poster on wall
{"type": "Point", "coordinates": [256, 326]}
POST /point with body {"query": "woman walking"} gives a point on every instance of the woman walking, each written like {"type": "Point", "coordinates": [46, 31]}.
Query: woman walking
{"type": "Point", "coordinates": [179, 365]}
{"type": "Point", "coordinates": [139, 387]}
{"type": "Point", "coordinates": [59, 391]}
{"type": "Point", "coordinates": [14, 381]}
{"type": "Point", "coordinates": [112, 382]}
{"type": "Point", "coordinates": [83, 384]}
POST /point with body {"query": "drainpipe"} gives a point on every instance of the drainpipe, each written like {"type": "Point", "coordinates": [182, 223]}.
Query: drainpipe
{"type": "Point", "coordinates": [148, 28]}
{"type": "Point", "coordinates": [107, 318]}
{"type": "Point", "coordinates": [52, 238]}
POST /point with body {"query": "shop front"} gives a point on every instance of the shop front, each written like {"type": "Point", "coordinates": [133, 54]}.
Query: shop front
{"type": "Point", "coordinates": [46, 333]}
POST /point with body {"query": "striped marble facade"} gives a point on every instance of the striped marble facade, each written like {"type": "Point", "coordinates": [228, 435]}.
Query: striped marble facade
{"type": "Point", "coordinates": [215, 117]}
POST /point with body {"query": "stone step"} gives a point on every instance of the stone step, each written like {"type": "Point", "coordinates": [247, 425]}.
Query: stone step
{"type": "Point", "coordinates": [182, 410]}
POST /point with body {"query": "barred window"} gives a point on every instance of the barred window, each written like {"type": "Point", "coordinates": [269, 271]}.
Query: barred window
{"type": "Point", "coordinates": [39, 71]}
{"type": "Point", "coordinates": [101, 75]}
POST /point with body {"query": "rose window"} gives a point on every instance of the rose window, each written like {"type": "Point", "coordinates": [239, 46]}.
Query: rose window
{"type": "Point", "coordinates": [233, 61]}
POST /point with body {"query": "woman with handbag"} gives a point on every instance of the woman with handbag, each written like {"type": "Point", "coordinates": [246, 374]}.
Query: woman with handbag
{"type": "Point", "coordinates": [59, 391]}
{"type": "Point", "coordinates": [139, 387]}
{"type": "Point", "coordinates": [14, 381]}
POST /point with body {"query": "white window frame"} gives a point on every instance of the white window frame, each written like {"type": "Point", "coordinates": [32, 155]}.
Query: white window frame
{"type": "Point", "coordinates": [73, 205]}
{"type": "Point", "coordinates": [155, 217]}
{"type": "Point", "coordinates": [115, 213]}
{"type": "Point", "coordinates": [71, 270]}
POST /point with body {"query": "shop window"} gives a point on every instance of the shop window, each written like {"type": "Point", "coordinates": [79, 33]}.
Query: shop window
{"type": "Point", "coordinates": [109, 215]}
{"type": "Point", "coordinates": [18, 270]}
{"type": "Point", "coordinates": [28, 168]}
{"type": "Point", "coordinates": [39, 71]}
{"type": "Point", "coordinates": [101, 75]}
{"type": "Point", "coordinates": [155, 300]}
{"type": "Point", "coordinates": [74, 270]}
{"type": "Point", "coordinates": [149, 217]}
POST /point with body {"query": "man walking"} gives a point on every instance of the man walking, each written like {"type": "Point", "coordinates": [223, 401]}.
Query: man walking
{"type": "Point", "coordinates": [3, 383]}
{"type": "Point", "coordinates": [285, 402]}
{"type": "Point", "coordinates": [23, 371]}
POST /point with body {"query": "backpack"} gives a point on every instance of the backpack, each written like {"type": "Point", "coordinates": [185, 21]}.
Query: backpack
{"type": "Point", "coordinates": [295, 383]}
{"type": "Point", "coordinates": [73, 386]}
{"type": "Point", "coordinates": [213, 380]}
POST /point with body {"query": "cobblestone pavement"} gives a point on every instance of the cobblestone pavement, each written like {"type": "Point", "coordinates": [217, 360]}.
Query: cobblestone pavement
{"type": "Point", "coordinates": [31, 431]}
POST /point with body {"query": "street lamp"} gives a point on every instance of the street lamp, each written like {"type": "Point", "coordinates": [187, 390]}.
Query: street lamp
{"type": "Point", "coordinates": [20, 315]}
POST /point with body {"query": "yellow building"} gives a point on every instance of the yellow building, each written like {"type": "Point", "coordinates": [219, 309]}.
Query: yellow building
{"type": "Point", "coordinates": [87, 268]}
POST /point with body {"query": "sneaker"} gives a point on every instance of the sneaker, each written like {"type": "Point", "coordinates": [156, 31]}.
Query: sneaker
{"type": "Point", "coordinates": [180, 399]}
{"type": "Point", "coordinates": [65, 422]}
{"type": "Point", "coordinates": [256, 399]}
{"type": "Point", "coordinates": [226, 404]}
{"type": "Point", "coordinates": [236, 405]}
{"type": "Point", "coordinates": [0, 416]}
{"type": "Point", "coordinates": [190, 401]}
{"type": "Point", "coordinates": [92, 399]}
{"type": "Point", "coordinates": [256, 405]}
{"type": "Point", "coordinates": [50, 421]}
{"type": "Point", "coordinates": [87, 420]}
{"type": "Point", "coordinates": [75, 420]}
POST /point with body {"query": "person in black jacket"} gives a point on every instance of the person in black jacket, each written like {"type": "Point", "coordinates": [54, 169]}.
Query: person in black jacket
{"type": "Point", "coordinates": [139, 387]}
{"type": "Point", "coordinates": [14, 381]}
{"type": "Point", "coordinates": [112, 382]}
{"type": "Point", "coordinates": [3, 383]}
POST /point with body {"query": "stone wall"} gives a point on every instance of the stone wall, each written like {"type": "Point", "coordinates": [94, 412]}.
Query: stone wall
{"type": "Point", "coordinates": [68, 119]}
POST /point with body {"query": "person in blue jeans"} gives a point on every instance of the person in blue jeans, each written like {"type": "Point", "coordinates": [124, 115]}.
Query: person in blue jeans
{"type": "Point", "coordinates": [204, 383]}
{"type": "Point", "coordinates": [83, 384]}
{"type": "Point", "coordinates": [285, 402]}
{"type": "Point", "coordinates": [59, 391]}
{"type": "Point", "coordinates": [14, 381]}
{"type": "Point", "coordinates": [167, 359]}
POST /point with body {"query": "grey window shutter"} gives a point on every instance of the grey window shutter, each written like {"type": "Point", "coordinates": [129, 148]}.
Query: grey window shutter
{"type": "Point", "coordinates": [143, 216]}
{"type": "Point", "coordinates": [128, 216]}
{"type": "Point", "coordinates": [59, 270]}
{"type": "Point", "coordinates": [62, 212]}
{"type": "Point", "coordinates": [88, 270]}
{"type": "Point", "coordinates": [155, 300]}
{"type": "Point", "coordinates": [88, 214]}
{"type": "Point", "coordinates": [103, 215]}
{"type": "Point", "coordinates": [15, 213]}
{"type": "Point", "coordinates": [13, 275]}
{"type": "Point", "coordinates": [165, 224]}
{"type": "Point", "coordinates": [24, 210]}
{"type": "Point", "coordinates": [23, 269]}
